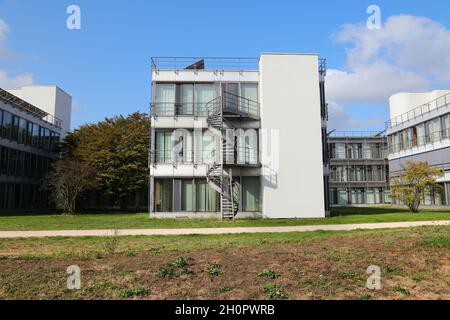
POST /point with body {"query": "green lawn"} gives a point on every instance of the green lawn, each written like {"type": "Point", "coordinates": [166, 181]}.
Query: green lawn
{"type": "Point", "coordinates": [141, 220]}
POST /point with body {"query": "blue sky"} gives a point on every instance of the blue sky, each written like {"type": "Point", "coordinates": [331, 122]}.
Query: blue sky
{"type": "Point", "coordinates": [105, 65]}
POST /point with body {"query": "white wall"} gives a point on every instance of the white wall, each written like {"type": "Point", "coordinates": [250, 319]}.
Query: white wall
{"type": "Point", "coordinates": [290, 105]}
{"type": "Point", "coordinates": [50, 99]}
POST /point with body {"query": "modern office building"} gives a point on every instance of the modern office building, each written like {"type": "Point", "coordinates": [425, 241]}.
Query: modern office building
{"type": "Point", "coordinates": [419, 130]}
{"type": "Point", "coordinates": [239, 137]}
{"type": "Point", "coordinates": [29, 137]}
{"type": "Point", "coordinates": [358, 168]}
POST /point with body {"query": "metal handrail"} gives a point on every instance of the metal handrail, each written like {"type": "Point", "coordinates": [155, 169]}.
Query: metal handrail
{"type": "Point", "coordinates": [435, 104]}
{"type": "Point", "coordinates": [34, 111]}
{"type": "Point", "coordinates": [239, 104]}
{"type": "Point", "coordinates": [197, 156]}
{"type": "Point", "coordinates": [418, 141]}
{"type": "Point", "coordinates": [364, 134]}
{"type": "Point", "coordinates": [208, 63]}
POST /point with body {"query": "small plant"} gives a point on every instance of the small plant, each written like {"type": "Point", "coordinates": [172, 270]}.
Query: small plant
{"type": "Point", "coordinates": [167, 271]}
{"type": "Point", "coordinates": [133, 292]}
{"type": "Point", "coordinates": [365, 296]}
{"type": "Point", "coordinates": [268, 273]}
{"type": "Point", "coordinates": [185, 271]}
{"type": "Point", "coordinates": [395, 270]}
{"type": "Point", "coordinates": [181, 262]}
{"type": "Point", "coordinates": [225, 289]}
{"type": "Point", "coordinates": [112, 242]}
{"type": "Point", "coordinates": [214, 269]}
{"type": "Point", "coordinates": [275, 291]}
{"type": "Point", "coordinates": [402, 290]}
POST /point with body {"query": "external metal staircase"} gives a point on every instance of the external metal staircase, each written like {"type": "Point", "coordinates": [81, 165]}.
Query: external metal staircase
{"type": "Point", "coordinates": [219, 174]}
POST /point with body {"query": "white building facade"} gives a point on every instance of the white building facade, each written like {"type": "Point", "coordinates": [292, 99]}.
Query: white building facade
{"type": "Point", "coordinates": [419, 130]}
{"type": "Point", "coordinates": [238, 137]}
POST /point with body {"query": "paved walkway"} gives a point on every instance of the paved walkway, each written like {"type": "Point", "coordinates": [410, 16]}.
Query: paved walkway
{"type": "Point", "coordinates": [206, 231]}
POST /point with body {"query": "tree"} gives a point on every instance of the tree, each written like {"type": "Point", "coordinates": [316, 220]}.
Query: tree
{"type": "Point", "coordinates": [410, 188]}
{"type": "Point", "coordinates": [118, 150]}
{"type": "Point", "coordinates": [67, 179]}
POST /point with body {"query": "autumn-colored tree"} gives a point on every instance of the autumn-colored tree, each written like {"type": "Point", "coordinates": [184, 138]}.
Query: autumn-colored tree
{"type": "Point", "coordinates": [410, 188]}
{"type": "Point", "coordinates": [67, 179]}
{"type": "Point", "coordinates": [117, 148]}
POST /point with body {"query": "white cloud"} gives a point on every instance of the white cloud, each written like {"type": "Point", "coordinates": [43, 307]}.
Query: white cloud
{"type": "Point", "coordinates": [6, 80]}
{"type": "Point", "coordinates": [341, 120]}
{"type": "Point", "coordinates": [408, 53]}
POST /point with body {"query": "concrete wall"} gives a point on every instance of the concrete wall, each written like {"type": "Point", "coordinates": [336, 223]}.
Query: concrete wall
{"type": "Point", "coordinates": [292, 180]}
{"type": "Point", "coordinates": [51, 99]}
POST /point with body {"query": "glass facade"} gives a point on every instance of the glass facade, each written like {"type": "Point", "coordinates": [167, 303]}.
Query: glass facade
{"type": "Point", "coordinates": [432, 131]}
{"type": "Point", "coordinates": [20, 170]}
{"type": "Point", "coordinates": [358, 171]}
{"type": "Point", "coordinates": [196, 195]}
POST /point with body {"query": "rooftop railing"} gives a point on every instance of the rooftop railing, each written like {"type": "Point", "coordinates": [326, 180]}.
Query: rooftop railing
{"type": "Point", "coordinates": [29, 108]}
{"type": "Point", "coordinates": [435, 104]}
{"type": "Point", "coordinates": [204, 63]}
{"type": "Point", "coordinates": [357, 134]}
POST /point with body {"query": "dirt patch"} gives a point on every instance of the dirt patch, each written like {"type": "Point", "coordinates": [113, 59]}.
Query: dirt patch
{"type": "Point", "coordinates": [329, 268]}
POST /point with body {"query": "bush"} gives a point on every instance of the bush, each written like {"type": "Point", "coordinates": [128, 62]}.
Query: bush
{"type": "Point", "coordinates": [214, 269]}
{"type": "Point", "coordinates": [275, 291]}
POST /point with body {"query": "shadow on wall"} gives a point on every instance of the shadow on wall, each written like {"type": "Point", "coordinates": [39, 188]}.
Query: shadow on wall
{"type": "Point", "coordinates": [270, 177]}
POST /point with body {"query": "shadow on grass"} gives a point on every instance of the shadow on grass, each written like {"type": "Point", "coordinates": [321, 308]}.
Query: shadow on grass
{"type": "Point", "coordinates": [351, 211]}
{"type": "Point", "coordinates": [49, 212]}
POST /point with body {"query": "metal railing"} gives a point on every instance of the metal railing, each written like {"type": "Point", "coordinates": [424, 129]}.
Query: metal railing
{"type": "Point", "coordinates": [244, 156]}
{"type": "Point", "coordinates": [237, 104]}
{"type": "Point", "coordinates": [357, 134]}
{"type": "Point", "coordinates": [231, 103]}
{"type": "Point", "coordinates": [418, 141]}
{"type": "Point", "coordinates": [435, 104]}
{"type": "Point", "coordinates": [29, 108]}
{"type": "Point", "coordinates": [205, 63]}
{"type": "Point", "coordinates": [165, 109]}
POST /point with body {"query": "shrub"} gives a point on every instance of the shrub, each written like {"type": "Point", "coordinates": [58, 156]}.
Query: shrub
{"type": "Point", "coordinates": [214, 269]}
{"type": "Point", "coordinates": [275, 291]}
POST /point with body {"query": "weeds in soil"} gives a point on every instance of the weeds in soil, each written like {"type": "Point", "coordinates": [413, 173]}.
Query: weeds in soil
{"type": "Point", "coordinates": [275, 291]}
{"type": "Point", "coordinates": [268, 273]}
{"type": "Point", "coordinates": [214, 269]}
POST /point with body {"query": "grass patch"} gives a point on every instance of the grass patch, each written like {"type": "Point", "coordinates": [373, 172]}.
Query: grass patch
{"type": "Point", "coordinates": [436, 241]}
{"type": "Point", "coordinates": [142, 221]}
{"type": "Point", "coordinates": [133, 292]}
{"type": "Point", "coordinates": [268, 273]}
{"type": "Point", "coordinates": [401, 290]}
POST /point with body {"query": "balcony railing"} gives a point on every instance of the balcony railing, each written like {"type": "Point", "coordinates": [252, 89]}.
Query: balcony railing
{"type": "Point", "coordinates": [232, 104]}
{"type": "Point", "coordinates": [409, 143]}
{"type": "Point", "coordinates": [245, 156]}
{"type": "Point", "coordinates": [357, 134]}
{"type": "Point", "coordinates": [419, 111]}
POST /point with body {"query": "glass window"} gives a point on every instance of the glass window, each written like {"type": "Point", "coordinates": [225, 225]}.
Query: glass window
{"type": "Point", "coordinates": [186, 107]}
{"type": "Point", "coordinates": [164, 147]}
{"type": "Point", "coordinates": [163, 195]}
{"type": "Point", "coordinates": [251, 194]}
{"type": "Point", "coordinates": [340, 151]}
{"type": "Point", "coordinates": [187, 195]}
{"type": "Point", "coordinates": [207, 199]}
{"type": "Point", "coordinates": [164, 99]}
{"type": "Point", "coordinates": [249, 91]}
{"type": "Point", "coordinates": [22, 134]}
{"type": "Point", "coordinates": [445, 126]}
{"type": "Point", "coordinates": [421, 136]}
{"type": "Point", "coordinates": [204, 93]}
{"type": "Point", "coordinates": [6, 125]}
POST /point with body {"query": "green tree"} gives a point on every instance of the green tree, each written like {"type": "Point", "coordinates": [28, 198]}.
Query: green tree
{"type": "Point", "coordinates": [118, 150]}
{"type": "Point", "coordinates": [410, 188]}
